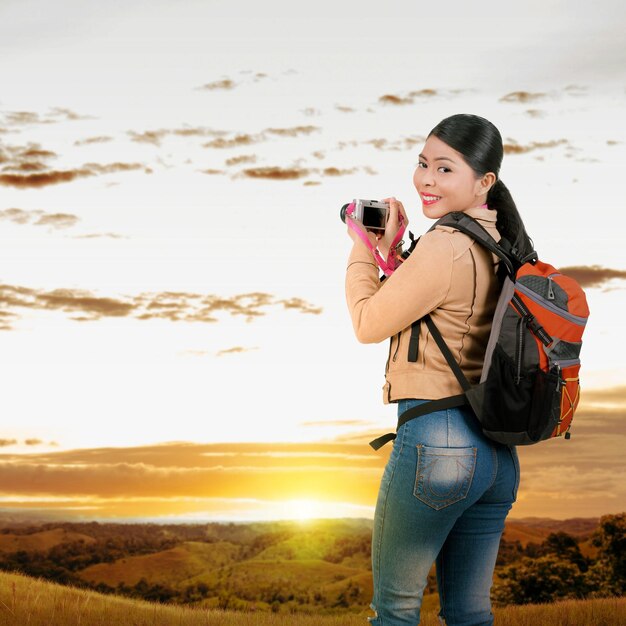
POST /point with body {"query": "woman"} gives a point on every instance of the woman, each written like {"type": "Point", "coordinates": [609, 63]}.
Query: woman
{"type": "Point", "coordinates": [446, 489]}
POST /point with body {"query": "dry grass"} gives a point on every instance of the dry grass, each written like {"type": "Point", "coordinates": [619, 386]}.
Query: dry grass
{"type": "Point", "coordinates": [28, 601]}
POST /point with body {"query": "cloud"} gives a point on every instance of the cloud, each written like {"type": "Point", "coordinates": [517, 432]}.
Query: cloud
{"type": "Point", "coordinates": [266, 471]}
{"type": "Point", "coordinates": [300, 305]}
{"type": "Point", "coordinates": [90, 140]}
{"type": "Point", "coordinates": [420, 94]}
{"type": "Point", "coordinates": [33, 442]}
{"type": "Point", "coordinates": [238, 140]}
{"type": "Point", "coordinates": [404, 143]}
{"type": "Point", "coordinates": [335, 171]}
{"type": "Point", "coordinates": [69, 114]}
{"type": "Point", "coordinates": [7, 442]}
{"type": "Point", "coordinates": [82, 305]}
{"type": "Point", "coordinates": [295, 172]}
{"type": "Point", "coordinates": [57, 220]}
{"type": "Point", "coordinates": [19, 216]}
{"type": "Point", "coordinates": [100, 235]}
{"type": "Point", "coordinates": [592, 275]}
{"type": "Point", "coordinates": [244, 158]}
{"type": "Point", "coordinates": [41, 180]}
{"type": "Point", "coordinates": [29, 159]}
{"type": "Point", "coordinates": [393, 99]}
{"type": "Point", "coordinates": [293, 132]}
{"type": "Point", "coordinates": [156, 136]}
{"type": "Point", "coordinates": [514, 148]}
{"type": "Point", "coordinates": [38, 217]}
{"type": "Point", "coordinates": [580, 477]}
{"type": "Point", "coordinates": [235, 350]}
{"type": "Point", "coordinates": [18, 118]}
{"type": "Point", "coordinates": [612, 395]}
{"type": "Point", "coordinates": [276, 173]}
{"type": "Point", "coordinates": [225, 83]}
{"type": "Point", "coordinates": [24, 158]}
{"type": "Point", "coordinates": [23, 118]}
{"type": "Point", "coordinates": [247, 139]}
{"type": "Point", "coordinates": [522, 96]}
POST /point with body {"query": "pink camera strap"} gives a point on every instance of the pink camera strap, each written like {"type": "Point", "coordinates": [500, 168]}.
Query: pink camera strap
{"type": "Point", "coordinates": [391, 264]}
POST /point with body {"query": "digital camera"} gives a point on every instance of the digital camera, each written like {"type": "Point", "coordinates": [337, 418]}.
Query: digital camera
{"type": "Point", "coordinates": [371, 213]}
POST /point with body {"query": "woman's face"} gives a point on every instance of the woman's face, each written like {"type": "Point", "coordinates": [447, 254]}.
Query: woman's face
{"type": "Point", "coordinates": [445, 182]}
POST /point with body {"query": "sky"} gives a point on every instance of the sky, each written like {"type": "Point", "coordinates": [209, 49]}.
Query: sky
{"type": "Point", "coordinates": [175, 342]}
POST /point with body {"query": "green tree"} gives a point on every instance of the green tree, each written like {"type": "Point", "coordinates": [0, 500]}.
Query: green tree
{"type": "Point", "coordinates": [607, 576]}
{"type": "Point", "coordinates": [545, 579]}
{"type": "Point", "coordinates": [565, 547]}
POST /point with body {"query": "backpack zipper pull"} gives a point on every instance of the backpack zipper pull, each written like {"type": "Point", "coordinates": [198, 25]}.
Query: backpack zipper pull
{"type": "Point", "coordinates": [550, 290]}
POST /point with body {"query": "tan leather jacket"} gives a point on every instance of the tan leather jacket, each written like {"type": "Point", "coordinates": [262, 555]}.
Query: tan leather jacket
{"type": "Point", "coordinates": [448, 275]}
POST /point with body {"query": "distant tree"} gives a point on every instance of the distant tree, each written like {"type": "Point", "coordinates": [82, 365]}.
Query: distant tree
{"type": "Point", "coordinates": [565, 547]}
{"type": "Point", "coordinates": [607, 576]}
{"type": "Point", "coordinates": [545, 579]}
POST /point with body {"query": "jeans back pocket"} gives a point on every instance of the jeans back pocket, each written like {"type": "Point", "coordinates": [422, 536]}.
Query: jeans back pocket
{"type": "Point", "coordinates": [444, 475]}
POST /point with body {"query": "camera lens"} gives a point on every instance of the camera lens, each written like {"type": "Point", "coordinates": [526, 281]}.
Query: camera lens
{"type": "Point", "coordinates": [342, 212]}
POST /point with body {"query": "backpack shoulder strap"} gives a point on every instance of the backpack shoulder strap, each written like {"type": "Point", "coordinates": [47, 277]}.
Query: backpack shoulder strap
{"type": "Point", "coordinates": [471, 227]}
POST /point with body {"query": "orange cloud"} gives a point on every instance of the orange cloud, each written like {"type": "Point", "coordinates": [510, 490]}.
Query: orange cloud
{"type": "Point", "coordinates": [82, 305]}
{"type": "Point", "coordinates": [98, 235]}
{"type": "Point", "coordinates": [592, 275]}
{"type": "Point", "coordinates": [19, 216]}
{"type": "Point", "coordinates": [57, 220]}
{"type": "Point", "coordinates": [581, 477]}
{"type": "Point", "coordinates": [155, 136]}
{"type": "Point", "coordinates": [393, 99]}
{"type": "Point", "coordinates": [225, 83]}
{"type": "Point", "coordinates": [276, 173]}
{"type": "Point", "coordinates": [53, 177]}
{"type": "Point", "coordinates": [237, 140]}
{"type": "Point", "coordinates": [522, 96]}
{"type": "Point", "coordinates": [293, 132]}
{"type": "Point", "coordinates": [90, 140]}
{"type": "Point", "coordinates": [235, 350]}
{"type": "Point", "coordinates": [515, 148]}
{"type": "Point", "coordinates": [177, 470]}
{"type": "Point", "coordinates": [25, 117]}
{"type": "Point", "coordinates": [423, 93]}
{"type": "Point", "coordinates": [238, 160]}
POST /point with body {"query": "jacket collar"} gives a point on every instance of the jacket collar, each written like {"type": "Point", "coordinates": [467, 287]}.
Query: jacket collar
{"type": "Point", "coordinates": [483, 214]}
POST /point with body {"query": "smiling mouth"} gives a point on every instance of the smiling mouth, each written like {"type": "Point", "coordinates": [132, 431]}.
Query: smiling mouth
{"type": "Point", "coordinates": [428, 199]}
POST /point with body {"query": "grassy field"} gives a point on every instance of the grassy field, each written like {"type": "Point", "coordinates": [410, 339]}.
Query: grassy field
{"type": "Point", "coordinates": [28, 601]}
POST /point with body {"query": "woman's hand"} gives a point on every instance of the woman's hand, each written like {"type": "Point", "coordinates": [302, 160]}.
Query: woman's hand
{"type": "Point", "coordinates": [354, 236]}
{"type": "Point", "coordinates": [393, 225]}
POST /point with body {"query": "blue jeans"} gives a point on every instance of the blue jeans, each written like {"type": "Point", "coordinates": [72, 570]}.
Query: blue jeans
{"type": "Point", "coordinates": [444, 495]}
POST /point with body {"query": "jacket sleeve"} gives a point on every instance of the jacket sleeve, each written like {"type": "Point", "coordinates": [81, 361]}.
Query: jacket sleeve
{"type": "Point", "coordinates": [380, 310]}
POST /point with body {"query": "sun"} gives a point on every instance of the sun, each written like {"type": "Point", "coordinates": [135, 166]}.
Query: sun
{"type": "Point", "coordinates": [303, 509]}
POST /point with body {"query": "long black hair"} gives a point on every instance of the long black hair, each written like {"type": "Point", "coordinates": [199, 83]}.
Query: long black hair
{"type": "Point", "coordinates": [480, 144]}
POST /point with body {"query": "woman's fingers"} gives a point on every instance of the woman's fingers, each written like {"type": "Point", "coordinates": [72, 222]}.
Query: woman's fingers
{"type": "Point", "coordinates": [395, 208]}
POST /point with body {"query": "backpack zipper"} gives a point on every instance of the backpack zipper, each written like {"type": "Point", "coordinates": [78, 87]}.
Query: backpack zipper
{"type": "Point", "coordinates": [576, 319]}
{"type": "Point", "coordinates": [550, 290]}
{"type": "Point", "coordinates": [520, 349]}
